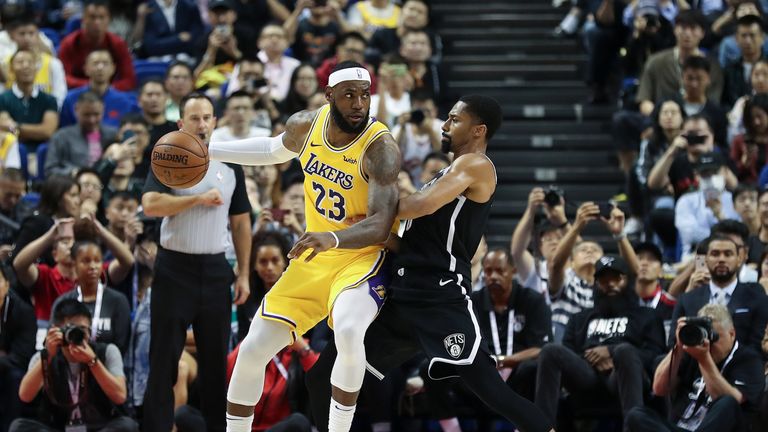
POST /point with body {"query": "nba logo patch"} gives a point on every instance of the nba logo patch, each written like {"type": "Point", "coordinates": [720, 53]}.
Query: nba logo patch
{"type": "Point", "coordinates": [359, 74]}
{"type": "Point", "coordinates": [454, 344]}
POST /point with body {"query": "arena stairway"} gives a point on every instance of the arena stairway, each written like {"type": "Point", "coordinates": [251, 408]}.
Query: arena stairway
{"type": "Point", "coordinates": [550, 134]}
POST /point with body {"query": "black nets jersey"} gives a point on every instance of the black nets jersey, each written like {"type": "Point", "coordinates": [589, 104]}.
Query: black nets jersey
{"type": "Point", "coordinates": [444, 242]}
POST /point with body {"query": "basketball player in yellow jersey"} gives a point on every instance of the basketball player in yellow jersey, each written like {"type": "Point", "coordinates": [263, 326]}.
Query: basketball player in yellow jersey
{"type": "Point", "coordinates": [350, 163]}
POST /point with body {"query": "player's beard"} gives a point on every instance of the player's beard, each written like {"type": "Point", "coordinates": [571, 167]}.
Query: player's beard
{"type": "Point", "coordinates": [344, 125]}
{"type": "Point", "coordinates": [445, 145]}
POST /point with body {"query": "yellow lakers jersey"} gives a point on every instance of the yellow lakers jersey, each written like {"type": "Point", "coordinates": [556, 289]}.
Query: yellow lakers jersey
{"type": "Point", "coordinates": [335, 185]}
{"type": "Point", "coordinates": [42, 76]}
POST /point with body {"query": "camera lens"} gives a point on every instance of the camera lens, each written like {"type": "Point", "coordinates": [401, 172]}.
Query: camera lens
{"type": "Point", "coordinates": [692, 335]}
{"type": "Point", "coordinates": [74, 335]}
{"type": "Point", "coordinates": [552, 198]}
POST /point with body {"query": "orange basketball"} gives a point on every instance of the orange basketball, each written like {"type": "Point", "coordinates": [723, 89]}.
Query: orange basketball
{"type": "Point", "coordinates": [179, 159]}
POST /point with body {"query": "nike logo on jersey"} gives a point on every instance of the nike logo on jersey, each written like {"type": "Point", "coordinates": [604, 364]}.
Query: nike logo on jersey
{"type": "Point", "coordinates": [314, 145]}
{"type": "Point", "coordinates": [444, 283]}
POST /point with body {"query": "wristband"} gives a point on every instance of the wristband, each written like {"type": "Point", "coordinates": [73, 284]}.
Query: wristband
{"type": "Point", "coordinates": [93, 362]}
{"type": "Point", "coordinates": [335, 237]}
{"type": "Point", "coordinates": [619, 236]}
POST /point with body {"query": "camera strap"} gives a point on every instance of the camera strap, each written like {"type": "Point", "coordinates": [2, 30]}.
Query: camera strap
{"type": "Point", "coordinates": [96, 308]}
{"type": "Point", "coordinates": [75, 389]}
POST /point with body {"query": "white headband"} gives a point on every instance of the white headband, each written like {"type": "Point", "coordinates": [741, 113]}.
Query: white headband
{"type": "Point", "coordinates": [349, 74]}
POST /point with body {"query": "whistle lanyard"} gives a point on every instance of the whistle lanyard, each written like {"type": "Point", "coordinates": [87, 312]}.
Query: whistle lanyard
{"type": "Point", "coordinates": [495, 333]}
{"type": "Point", "coordinates": [96, 309]}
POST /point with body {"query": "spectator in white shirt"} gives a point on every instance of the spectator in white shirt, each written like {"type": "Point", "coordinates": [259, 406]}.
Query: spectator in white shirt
{"type": "Point", "coordinates": [418, 132]}
{"type": "Point", "coordinates": [278, 67]}
{"type": "Point", "coordinates": [697, 211]}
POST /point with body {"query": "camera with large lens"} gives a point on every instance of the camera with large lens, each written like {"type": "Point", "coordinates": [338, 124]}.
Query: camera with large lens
{"type": "Point", "coordinates": [696, 330]}
{"type": "Point", "coordinates": [73, 335]}
{"type": "Point", "coordinates": [552, 196]}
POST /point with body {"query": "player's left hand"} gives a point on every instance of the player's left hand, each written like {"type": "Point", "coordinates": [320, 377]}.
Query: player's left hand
{"type": "Point", "coordinates": [317, 241]}
{"type": "Point", "coordinates": [242, 290]}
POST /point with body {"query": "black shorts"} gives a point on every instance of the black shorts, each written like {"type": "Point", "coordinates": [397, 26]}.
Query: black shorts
{"type": "Point", "coordinates": [443, 326]}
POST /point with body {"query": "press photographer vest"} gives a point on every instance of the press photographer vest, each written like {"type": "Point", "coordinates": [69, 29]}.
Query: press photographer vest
{"type": "Point", "coordinates": [92, 399]}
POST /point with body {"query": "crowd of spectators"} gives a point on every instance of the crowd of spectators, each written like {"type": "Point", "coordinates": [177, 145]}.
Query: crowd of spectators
{"type": "Point", "coordinates": [585, 335]}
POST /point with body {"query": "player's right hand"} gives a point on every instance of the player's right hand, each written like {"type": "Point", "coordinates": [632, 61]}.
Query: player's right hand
{"type": "Point", "coordinates": [212, 198]}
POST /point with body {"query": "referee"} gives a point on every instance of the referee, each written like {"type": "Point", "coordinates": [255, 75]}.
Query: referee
{"type": "Point", "coordinates": [193, 278]}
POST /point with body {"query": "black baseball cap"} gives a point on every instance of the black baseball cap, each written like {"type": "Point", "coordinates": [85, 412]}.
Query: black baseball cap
{"type": "Point", "coordinates": [650, 248]}
{"type": "Point", "coordinates": [220, 4]}
{"type": "Point", "coordinates": [611, 262]}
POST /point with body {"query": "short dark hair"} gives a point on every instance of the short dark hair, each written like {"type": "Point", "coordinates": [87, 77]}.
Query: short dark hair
{"type": "Point", "coordinates": [88, 96]}
{"type": "Point", "coordinates": [21, 20]}
{"type": "Point", "coordinates": [20, 50]}
{"type": "Point", "coordinates": [698, 117]}
{"type": "Point", "coordinates": [435, 155]}
{"type": "Point", "coordinates": [123, 195]}
{"type": "Point", "coordinates": [191, 96]}
{"type": "Point", "coordinates": [422, 95]}
{"type": "Point", "coordinates": [98, 3]}
{"type": "Point", "coordinates": [70, 308]}
{"type": "Point", "coordinates": [350, 35]}
{"type": "Point", "coordinates": [744, 188]}
{"type": "Point", "coordinates": [696, 62]}
{"type": "Point", "coordinates": [730, 227]}
{"type": "Point", "coordinates": [86, 170]}
{"type": "Point", "coordinates": [760, 101]}
{"type": "Point", "coordinates": [148, 81]}
{"type": "Point", "coordinates": [175, 63]}
{"type": "Point", "coordinates": [486, 110]}
{"type": "Point", "coordinates": [237, 94]}
{"type": "Point", "coordinates": [691, 18]}
{"type": "Point", "coordinates": [749, 20]}
{"type": "Point", "coordinates": [133, 118]}
{"type": "Point", "coordinates": [502, 251]}
{"type": "Point", "coordinates": [12, 174]}
{"type": "Point", "coordinates": [719, 237]}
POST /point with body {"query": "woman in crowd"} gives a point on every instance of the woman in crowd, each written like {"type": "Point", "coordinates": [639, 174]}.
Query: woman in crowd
{"type": "Point", "coordinates": [303, 86]}
{"type": "Point", "coordinates": [59, 198]}
{"type": "Point", "coordinates": [748, 150]}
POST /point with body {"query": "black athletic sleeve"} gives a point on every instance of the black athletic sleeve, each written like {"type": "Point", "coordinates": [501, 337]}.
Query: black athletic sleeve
{"type": "Point", "coordinates": [240, 203]}
{"type": "Point", "coordinates": [153, 185]}
{"type": "Point", "coordinates": [538, 329]}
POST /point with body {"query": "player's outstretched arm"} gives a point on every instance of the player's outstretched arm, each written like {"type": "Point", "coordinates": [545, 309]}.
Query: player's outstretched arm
{"type": "Point", "coordinates": [470, 172]}
{"type": "Point", "coordinates": [266, 150]}
{"type": "Point", "coordinates": [382, 165]}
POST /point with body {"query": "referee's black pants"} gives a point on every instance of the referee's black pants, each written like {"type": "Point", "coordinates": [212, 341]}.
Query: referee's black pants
{"type": "Point", "coordinates": [188, 289]}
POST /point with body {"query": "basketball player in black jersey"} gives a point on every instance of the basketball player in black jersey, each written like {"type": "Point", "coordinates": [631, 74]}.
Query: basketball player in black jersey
{"type": "Point", "coordinates": [428, 307]}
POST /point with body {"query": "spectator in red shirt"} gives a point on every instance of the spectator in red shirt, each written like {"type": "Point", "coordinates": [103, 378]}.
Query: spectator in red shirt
{"type": "Point", "coordinates": [274, 408]}
{"type": "Point", "coordinates": [94, 35]}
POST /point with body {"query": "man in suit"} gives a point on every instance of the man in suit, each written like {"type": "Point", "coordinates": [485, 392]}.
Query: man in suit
{"type": "Point", "coordinates": [172, 30]}
{"type": "Point", "coordinates": [746, 302]}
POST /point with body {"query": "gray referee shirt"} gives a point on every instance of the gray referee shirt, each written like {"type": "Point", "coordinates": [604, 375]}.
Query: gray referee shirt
{"type": "Point", "coordinates": [200, 229]}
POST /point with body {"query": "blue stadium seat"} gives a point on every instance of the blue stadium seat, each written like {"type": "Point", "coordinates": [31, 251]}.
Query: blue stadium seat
{"type": "Point", "coordinates": [53, 35]}
{"type": "Point", "coordinates": [71, 25]}
{"type": "Point", "coordinates": [149, 69]}
{"type": "Point", "coordinates": [42, 151]}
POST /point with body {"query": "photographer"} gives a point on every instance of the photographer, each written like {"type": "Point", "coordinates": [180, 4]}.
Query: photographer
{"type": "Point", "coordinates": [532, 267]}
{"type": "Point", "coordinates": [698, 211]}
{"type": "Point", "coordinates": [675, 167]}
{"type": "Point", "coordinates": [746, 302]}
{"type": "Point", "coordinates": [713, 381]}
{"type": "Point", "coordinates": [571, 288]}
{"type": "Point", "coordinates": [608, 347]}
{"type": "Point", "coordinates": [83, 382]}
{"type": "Point", "coordinates": [418, 132]}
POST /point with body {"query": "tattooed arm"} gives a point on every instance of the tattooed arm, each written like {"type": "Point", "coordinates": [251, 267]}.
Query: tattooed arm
{"type": "Point", "coordinates": [382, 165]}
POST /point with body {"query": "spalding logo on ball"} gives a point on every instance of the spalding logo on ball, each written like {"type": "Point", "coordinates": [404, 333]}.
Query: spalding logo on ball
{"type": "Point", "coordinates": [179, 159]}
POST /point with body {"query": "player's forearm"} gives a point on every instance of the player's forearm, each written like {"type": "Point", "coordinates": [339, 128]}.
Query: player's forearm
{"type": "Point", "coordinates": [158, 204]}
{"type": "Point", "coordinates": [252, 151]}
{"type": "Point", "coordinates": [370, 231]}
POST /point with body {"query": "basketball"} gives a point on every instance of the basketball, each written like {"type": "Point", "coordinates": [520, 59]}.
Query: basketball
{"type": "Point", "coordinates": [179, 159]}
